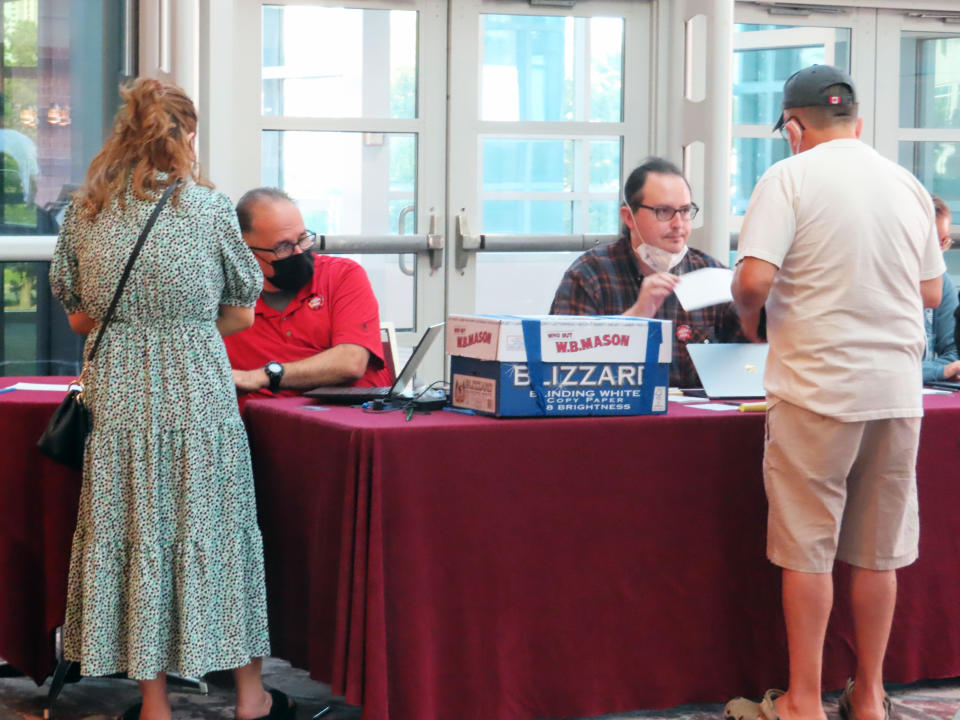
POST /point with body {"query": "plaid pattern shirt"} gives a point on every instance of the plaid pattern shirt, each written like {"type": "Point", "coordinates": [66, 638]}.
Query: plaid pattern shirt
{"type": "Point", "coordinates": [606, 281]}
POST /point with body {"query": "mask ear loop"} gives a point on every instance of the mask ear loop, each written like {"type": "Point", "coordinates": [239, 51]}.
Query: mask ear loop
{"type": "Point", "coordinates": [632, 225]}
{"type": "Point", "coordinates": [799, 131]}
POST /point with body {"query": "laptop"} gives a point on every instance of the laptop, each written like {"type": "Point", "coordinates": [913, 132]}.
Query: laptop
{"type": "Point", "coordinates": [353, 395]}
{"type": "Point", "coordinates": [730, 370]}
{"type": "Point", "coordinates": [944, 384]}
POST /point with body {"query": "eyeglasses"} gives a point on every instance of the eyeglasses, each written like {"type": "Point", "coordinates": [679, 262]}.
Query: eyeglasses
{"type": "Point", "coordinates": [286, 249]}
{"type": "Point", "coordinates": [783, 128]}
{"type": "Point", "coordinates": [665, 213]}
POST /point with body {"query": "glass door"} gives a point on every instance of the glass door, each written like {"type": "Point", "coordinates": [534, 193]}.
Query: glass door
{"type": "Point", "coordinates": [767, 51]}
{"type": "Point", "coordinates": [346, 115]}
{"type": "Point", "coordinates": [922, 105]}
{"type": "Point", "coordinates": [540, 102]}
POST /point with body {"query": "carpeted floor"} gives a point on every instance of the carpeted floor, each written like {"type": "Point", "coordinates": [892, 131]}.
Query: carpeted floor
{"type": "Point", "coordinates": [103, 699]}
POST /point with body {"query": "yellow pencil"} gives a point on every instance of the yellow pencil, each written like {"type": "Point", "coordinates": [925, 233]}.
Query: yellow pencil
{"type": "Point", "coordinates": [754, 406]}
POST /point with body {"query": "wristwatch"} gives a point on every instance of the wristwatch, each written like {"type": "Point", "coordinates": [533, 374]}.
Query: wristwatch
{"type": "Point", "coordinates": [274, 371]}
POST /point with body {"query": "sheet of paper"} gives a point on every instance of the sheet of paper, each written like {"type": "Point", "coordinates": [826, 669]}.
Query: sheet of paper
{"type": "Point", "coordinates": [682, 399]}
{"type": "Point", "coordinates": [704, 287]}
{"type": "Point", "coordinates": [40, 386]}
{"type": "Point", "coordinates": [717, 407]}
{"type": "Point", "coordinates": [936, 391]}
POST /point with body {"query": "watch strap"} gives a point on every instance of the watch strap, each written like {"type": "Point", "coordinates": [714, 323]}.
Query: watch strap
{"type": "Point", "coordinates": [274, 377]}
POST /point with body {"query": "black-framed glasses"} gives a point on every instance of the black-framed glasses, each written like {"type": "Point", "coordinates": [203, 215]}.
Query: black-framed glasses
{"type": "Point", "coordinates": [665, 213]}
{"type": "Point", "coordinates": [286, 249]}
{"type": "Point", "coordinates": [783, 128]}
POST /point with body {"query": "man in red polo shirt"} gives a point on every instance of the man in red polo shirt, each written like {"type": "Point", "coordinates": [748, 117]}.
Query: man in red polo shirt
{"type": "Point", "coordinates": [317, 320]}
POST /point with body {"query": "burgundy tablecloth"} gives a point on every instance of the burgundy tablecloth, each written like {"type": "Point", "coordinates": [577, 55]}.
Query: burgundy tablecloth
{"type": "Point", "coordinates": [457, 566]}
{"type": "Point", "coordinates": [38, 512]}
{"type": "Point", "coordinates": [518, 569]}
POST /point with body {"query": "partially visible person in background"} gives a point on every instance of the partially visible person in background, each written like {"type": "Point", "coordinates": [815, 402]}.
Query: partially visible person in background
{"type": "Point", "coordinates": [166, 571]}
{"type": "Point", "coordinates": [940, 359]}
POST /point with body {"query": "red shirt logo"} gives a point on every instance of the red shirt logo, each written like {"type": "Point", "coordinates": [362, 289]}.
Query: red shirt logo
{"type": "Point", "coordinates": [316, 302]}
{"type": "Point", "coordinates": [684, 333]}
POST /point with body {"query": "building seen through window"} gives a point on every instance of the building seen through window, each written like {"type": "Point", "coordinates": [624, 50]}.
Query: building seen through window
{"type": "Point", "coordinates": [59, 73]}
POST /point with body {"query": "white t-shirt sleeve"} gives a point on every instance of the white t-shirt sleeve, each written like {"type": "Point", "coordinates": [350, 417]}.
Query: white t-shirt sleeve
{"type": "Point", "coordinates": [771, 221]}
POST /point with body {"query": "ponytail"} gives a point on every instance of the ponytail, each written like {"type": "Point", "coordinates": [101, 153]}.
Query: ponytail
{"type": "Point", "coordinates": [152, 132]}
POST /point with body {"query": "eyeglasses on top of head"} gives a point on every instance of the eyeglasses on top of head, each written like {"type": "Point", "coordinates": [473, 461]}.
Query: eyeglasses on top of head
{"type": "Point", "coordinates": [665, 213]}
{"type": "Point", "coordinates": [286, 249]}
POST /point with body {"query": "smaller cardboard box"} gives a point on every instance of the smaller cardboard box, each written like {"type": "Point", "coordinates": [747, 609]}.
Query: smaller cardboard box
{"type": "Point", "coordinates": [555, 365]}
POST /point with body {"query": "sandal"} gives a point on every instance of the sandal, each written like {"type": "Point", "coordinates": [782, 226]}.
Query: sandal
{"type": "Point", "coordinates": [740, 708]}
{"type": "Point", "coordinates": [283, 708]}
{"type": "Point", "coordinates": [846, 708]}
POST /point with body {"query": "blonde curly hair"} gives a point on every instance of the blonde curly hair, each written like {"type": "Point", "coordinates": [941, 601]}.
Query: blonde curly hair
{"type": "Point", "coordinates": [152, 132]}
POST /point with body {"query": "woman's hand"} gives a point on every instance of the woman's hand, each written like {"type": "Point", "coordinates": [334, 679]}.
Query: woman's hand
{"type": "Point", "coordinates": [81, 323]}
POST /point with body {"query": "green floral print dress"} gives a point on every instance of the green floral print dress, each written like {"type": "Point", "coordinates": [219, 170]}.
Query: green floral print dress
{"type": "Point", "coordinates": [166, 572]}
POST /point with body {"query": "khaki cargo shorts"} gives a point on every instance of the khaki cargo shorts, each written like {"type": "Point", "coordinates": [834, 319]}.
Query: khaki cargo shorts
{"type": "Point", "coordinates": [840, 490]}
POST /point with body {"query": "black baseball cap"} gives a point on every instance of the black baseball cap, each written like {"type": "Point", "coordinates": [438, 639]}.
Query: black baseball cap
{"type": "Point", "coordinates": [808, 88]}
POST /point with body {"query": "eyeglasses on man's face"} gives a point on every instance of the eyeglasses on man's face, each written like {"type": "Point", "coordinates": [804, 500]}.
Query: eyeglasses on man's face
{"type": "Point", "coordinates": [286, 249]}
{"type": "Point", "coordinates": [783, 128]}
{"type": "Point", "coordinates": [665, 213]}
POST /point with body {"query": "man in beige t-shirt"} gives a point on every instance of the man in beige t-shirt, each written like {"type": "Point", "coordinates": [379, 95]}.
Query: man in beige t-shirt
{"type": "Point", "coordinates": [839, 245]}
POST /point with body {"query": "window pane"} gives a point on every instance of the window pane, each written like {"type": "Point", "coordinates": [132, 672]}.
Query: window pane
{"type": "Point", "coordinates": [606, 69]}
{"type": "Point", "coordinates": [59, 79]}
{"type": "Point", "coordinates": [59, 94]}
{"type": "Point", "coordinates": [534, 165]}
{"type": "Point", "coordinates": [937, 166]}
{"type": "Point", "coordinates": [548, 68]}
{"type": "Point", "coordinates": [528, 217]}
{"type": "Point", "coordinates": [517, 172]}
{"type": "Point", "coordinates": [929, 81]}
{"type": "Point", "coordinates": [519, 283]}
{"type": "Point", "coordinates": [604, 218]}
{"type": "Point", "coordinates": [350, 192]}
{"type": "Point", "coordinates": [339, 62]}
{"type": "Point", "coordinates": [751, 158]}
{"type": "Point", "coordinates": [605, 166]}
{"type": "Point", "coordinates": [759, 73]}
{"type": "Point", "coordinates": [362, 187]}
{"type": "Point", "coordinates": [20, 318]}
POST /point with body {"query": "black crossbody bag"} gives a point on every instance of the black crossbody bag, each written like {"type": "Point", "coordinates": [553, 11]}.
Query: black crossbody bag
{"type": "Point", "coordinates": [65, 436]}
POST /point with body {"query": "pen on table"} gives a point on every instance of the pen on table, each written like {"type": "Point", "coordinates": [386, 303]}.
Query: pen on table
{"type": "Point", "coordinates": [754, 406]}
{"type": "Point", "coordinates": [7, 389]}
{"type": "Point", "coordinates": [462, 411]}
{"type": "Point", "coordinates": [410, 412]}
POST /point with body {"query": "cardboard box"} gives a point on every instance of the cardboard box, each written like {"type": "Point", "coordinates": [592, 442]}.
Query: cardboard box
{"type": "Point", "coordinates": [555, 365]}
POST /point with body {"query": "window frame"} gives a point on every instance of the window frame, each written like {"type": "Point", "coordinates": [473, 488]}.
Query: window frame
{"type": "Point", "coordinates": [891, 25]}
{"type": "Point", "coordinates": [859, 21]}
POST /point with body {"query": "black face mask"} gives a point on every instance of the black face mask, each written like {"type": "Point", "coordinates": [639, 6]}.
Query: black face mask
{"type": "Point", "coordinates": [293, 272]}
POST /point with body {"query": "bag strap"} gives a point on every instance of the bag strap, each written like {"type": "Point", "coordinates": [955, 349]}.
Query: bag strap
{"type": "Point", "coordinates": [133, 256]}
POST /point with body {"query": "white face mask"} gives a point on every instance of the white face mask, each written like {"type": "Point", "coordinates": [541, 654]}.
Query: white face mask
{"type": "Point", "coordinates": [659, 259]}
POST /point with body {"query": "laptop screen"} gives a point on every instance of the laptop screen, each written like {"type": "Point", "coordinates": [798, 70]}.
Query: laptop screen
{"type": "Point", "coordinates": [405, 378]}
{"type": "Point", "coordinates": [730, 370]}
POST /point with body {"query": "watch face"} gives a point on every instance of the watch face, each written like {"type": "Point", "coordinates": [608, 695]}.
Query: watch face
{"type": "Point", "coordinates": [273, 367]}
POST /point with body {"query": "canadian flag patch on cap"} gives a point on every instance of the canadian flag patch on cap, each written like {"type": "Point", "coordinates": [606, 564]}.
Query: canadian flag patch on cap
{"type": "Point", "coordinates": [834, 100]}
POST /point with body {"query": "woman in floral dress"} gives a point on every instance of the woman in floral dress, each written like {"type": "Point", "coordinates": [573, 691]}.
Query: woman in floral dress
{"type": "Point", "coordinates": [166, 573]}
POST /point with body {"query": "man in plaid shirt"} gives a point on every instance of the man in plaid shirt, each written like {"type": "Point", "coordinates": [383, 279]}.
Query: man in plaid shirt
{"type": "Point", "coordinates": [636, 275]}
